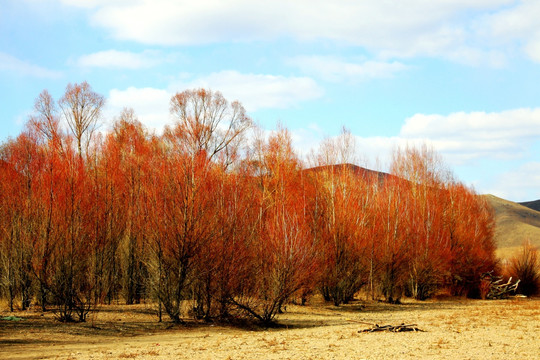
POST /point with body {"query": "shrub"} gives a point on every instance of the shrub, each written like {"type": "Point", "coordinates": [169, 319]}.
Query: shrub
{"type": "Point", "coordinates": [525, 266]}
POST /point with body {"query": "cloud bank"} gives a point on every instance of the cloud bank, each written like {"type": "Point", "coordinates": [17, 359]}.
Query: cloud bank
{"type": "Point", "coordinates": [456, 30]}
{"type": "Point", "coordinates": [254, 91]}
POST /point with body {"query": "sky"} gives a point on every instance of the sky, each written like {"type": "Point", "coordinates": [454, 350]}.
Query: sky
{"type": "Point", "coordinates": [462, 76]}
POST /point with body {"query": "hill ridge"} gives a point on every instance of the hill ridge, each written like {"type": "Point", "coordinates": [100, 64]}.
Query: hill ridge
{"type": "Point", "coordinates": [515, 223]}
{"type": "Point", "coordinates": [534, 205]}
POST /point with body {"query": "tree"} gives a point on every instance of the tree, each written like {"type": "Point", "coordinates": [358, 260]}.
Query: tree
{"type": "Point", "coordinates": [127, 159]}
{"type": "Point", "coordinates": [24, 159]}
{"type": "Point", "coordinates": [81, 107]}
{"type": "Point", "coordinates": [393, 253]}
{"type": "Point", "coordinates": [205, 138]}
{"type": "Point", "coordinates": [470, 225]}
{"type": "Point", "coordinates": [342, 219]}
{"type": "Point", "coordinates": [284, 256]}
{"type": "Point", "coordinates": [425, 178]}
{"type": "Point", "coordinates": [206, 122]}
{"type": "Point", "coordinates": [46, 120]}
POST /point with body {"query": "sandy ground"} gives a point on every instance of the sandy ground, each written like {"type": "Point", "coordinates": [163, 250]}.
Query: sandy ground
{"type": "Point", "coordinates": [455, 329]}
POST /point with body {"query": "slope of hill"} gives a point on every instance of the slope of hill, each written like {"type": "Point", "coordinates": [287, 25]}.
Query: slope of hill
{"type": "Point", "coordinates": [514, 224]}
{"type": "Point", "coordinates": [535, 205]}
{"type": "Point", "coordinates": [367, 174]}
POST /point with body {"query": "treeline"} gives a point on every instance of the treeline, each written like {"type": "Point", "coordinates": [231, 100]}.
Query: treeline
{"type": "Point", "coordinates": [207, 223]}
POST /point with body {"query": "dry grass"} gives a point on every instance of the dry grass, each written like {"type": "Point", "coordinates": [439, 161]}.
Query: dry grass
{"type": "Point", "coordinates": [455, 329]}
{"type": "Point", "coordinates": [514, 224]}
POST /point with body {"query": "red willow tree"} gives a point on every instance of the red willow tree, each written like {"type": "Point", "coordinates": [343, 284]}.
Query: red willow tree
{"type": "Point", "coordinates": [126, 163]}
{"type": "Point", "coordinates": [282, 259]}
{"type": "Point", "coordinates": [444, 231]}
{"type": "Point", "coordinates": [21, 164]}
{"type": "Point", "coordinates": [195, 154]}
{"type": "Point", "coordinates": [343, 219]}
{"type": "Point", "coordinates": [210, 226]}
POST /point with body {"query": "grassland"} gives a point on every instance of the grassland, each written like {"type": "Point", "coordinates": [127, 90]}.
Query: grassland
{"type": "Point", "coordinates": [514, 224]}
{"type": "Point", "coordinates": [454, 329]}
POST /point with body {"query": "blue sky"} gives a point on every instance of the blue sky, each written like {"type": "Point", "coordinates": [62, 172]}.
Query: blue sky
{"type": "Point", "coordinates": [460, 75]}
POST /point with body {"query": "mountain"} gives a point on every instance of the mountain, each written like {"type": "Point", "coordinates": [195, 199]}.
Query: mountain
{"type": "Point", "coordinates": [514, 224]}
{"type": "Point", "coordinates": [535, 205]}
{"type": "Point", "coordinates": [367, 174]}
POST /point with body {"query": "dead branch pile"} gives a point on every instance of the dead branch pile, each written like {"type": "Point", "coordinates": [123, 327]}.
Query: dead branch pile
{"type": "Point", "coordinates": [391, 328]}
{"type": "Point", "coordinates": [501, 291]}
{"type": "Point", "coordinates": [498, 290]}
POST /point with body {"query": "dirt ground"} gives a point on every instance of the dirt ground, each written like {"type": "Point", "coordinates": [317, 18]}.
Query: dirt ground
{"type": "Point", "coordinates": [454, 329]}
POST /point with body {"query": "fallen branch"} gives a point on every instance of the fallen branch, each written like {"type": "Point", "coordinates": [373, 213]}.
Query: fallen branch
{"type": "Point", "coordinates": [391, 328]}
{"type": "Point", "coordinates": [497, 290]}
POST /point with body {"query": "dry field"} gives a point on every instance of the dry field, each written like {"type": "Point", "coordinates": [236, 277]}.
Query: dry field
{"type": "Point", "coordinates": [455, 329]}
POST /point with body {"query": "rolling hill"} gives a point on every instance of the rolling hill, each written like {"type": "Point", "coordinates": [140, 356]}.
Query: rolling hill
{"type": "Point", "coordinates": [514, 224]}
{"type": "Point", "coordinates": [535, 205]}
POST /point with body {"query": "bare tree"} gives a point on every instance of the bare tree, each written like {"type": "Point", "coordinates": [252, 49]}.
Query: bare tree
{"type": "Point", "coordinates": [81, 107]}
{"type": "Point", "coordinates": [46, 118]}
{"type": "Point", "coordinates": [210, 124]}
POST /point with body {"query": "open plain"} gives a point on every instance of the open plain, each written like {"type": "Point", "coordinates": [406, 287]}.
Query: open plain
{"type": "Point", "coordinates": [454, 329]}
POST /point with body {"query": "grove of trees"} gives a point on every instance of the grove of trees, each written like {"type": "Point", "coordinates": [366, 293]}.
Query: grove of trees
{"type": "Point", "coordinates": [214, 219]}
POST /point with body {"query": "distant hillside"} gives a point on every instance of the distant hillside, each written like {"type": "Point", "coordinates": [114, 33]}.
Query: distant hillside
{"type": "Point", "coordinates": [367, 174]}
{"type": "Point", "coordinates": [514, 224]}
{"type": "Point", "coordinates": [535, 205]}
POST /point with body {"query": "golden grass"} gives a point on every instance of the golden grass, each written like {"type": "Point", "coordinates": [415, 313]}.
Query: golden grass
{"type": "Point", "coordinates": [455, 328]}
{"type": "Point", "coordinates": [514, 224]}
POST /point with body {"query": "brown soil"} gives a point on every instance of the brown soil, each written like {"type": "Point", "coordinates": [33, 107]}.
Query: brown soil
{"type": "Point", "coordinates": [455, 329]}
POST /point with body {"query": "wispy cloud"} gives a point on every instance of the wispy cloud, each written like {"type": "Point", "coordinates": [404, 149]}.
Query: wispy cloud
{"type": "Point", "coordinates": [258, 91]}
{"type": "Point", "coordinates": [472, 135]}
{"type": "Point", "coordinates": [397, 29]}
{"type": "Point", "coordinates": [115, 59]}
{"type": "Point", "coordinates": [255, 91]}
{"type": "Point", "coordinates": [11, 64]}
{"type": "Point", "coordinates": [334, 69]}
{"type": "Point", "coordinates": [514, 27]}
{"type": "Point", "coordinates": [520, 184]}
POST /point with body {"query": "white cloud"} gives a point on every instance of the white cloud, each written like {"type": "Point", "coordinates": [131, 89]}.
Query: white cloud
{"type": "Point", "coordinates": [257, 91]}
{"type": "Point", "coordinates": [9, 63]}
{"type": "Point", "coordinates": [486, 142]}
{"type": "Point", "coordinates": [515, 26]}
{"type": "Point", "coordinates": [306, 140]}
{"type": "Point", "coordinates": [466, 136]}
{"type": "Point", "coordinates": [520, 184]}
{"type": "Point", "coordinates": [90, 4]}
{"type": "Point", "coordinates": [254, 91]}
{"type": "Point", "coordinates": [150, 105]}
{"type": "Point", "coordinates": [337, 70]}
{"type": "Point", "coordinates": [405, 28]}
{"type": "Point", "coordinates": [532, 49]}
{"type": "Point", "coordinates": [121, 59]}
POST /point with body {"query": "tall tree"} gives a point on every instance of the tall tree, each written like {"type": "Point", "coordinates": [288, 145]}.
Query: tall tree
{"type": "Point", "coordinates": [207, 122]}
{"type": "Point", "coordinates": [127, 159]}
{"type": "Point", "coordinates": [81, 107]}
{"type": "Point", "coordinates": [284, 259]}
{"type": "Point", "coordinates": [342, 219]}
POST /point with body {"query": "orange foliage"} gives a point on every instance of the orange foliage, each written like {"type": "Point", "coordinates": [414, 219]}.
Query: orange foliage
{"type": "Point", "coordinates": [195, 216]}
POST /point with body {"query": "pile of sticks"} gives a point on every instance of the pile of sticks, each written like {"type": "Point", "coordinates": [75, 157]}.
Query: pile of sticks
{"type": "Point", "coordinates": [498, 290]}
{"type": "Point", "coordinates": [391, 328]}
{"type": "Point", "coordinates": [501, 291]}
